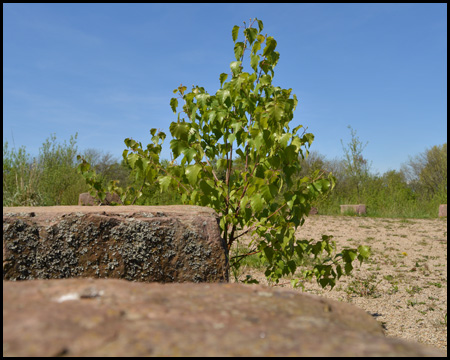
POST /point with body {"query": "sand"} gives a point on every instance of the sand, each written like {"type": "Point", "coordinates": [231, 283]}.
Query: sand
{"type": "Point", "coordinates": [404, 283]}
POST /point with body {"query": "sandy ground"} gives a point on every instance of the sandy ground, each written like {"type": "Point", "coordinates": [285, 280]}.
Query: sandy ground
{"type": "Point", "coordinates": [404, 283]}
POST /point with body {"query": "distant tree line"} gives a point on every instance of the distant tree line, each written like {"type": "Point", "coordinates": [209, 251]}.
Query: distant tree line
{"type": "Point", "coordinates": [415, 190]}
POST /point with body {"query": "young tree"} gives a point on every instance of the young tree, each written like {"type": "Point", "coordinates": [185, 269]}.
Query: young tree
{"type": "Point", "coordinates": [243, 130]}
{"type": "Point", "coordinates": [356, 167]}
{"type": "Point", "coordinates": [427, 173]}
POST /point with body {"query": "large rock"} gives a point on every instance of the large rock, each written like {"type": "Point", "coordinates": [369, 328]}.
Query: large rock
{"type": "Point", "coordinates": [141, 243]}
{"type": "Point", "coordinates": [87, 317]}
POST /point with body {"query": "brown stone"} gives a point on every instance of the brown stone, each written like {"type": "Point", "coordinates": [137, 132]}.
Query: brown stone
{"type": "Point", "coordinates": [141, 243]}
{"type": "Point", "coordinates": [313, 211]}
{"type": "Point", "coordinates": [358, 209]}
{"type": "Point", "coordinates": [443, 210]}
{"type": "Point", "coordinates": [98, 317]}
{"type": "Point", "coordinates": [86, 199]}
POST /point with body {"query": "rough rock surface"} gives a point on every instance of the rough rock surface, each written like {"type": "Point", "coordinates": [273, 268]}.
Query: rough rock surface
{"type": "Point", "coordinates": [99, 317]}
{"type": "Point", "coordinates": [86, 199]}
{"type": "Point", "coordinates": [442, 210]}
{"type": "Point", "coordinates": [358, 209]}
{"type": "Point", "coordinates": [141, 243]}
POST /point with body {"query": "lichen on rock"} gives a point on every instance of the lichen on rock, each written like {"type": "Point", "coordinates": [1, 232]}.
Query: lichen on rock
{"type": "Point", "coordinates": [156, 246]}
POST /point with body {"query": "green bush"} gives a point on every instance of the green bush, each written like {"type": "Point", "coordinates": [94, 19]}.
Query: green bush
{"type": "Point", "coordinates": [49, 179]}
{"type": "Point", "coordinates": [59, 182]}
{"type": "Point", "coordinates": [20, 178]}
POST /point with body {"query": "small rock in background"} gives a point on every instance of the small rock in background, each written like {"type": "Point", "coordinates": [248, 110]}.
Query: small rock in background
{"type": "Point", "coordinates": [86, 199]}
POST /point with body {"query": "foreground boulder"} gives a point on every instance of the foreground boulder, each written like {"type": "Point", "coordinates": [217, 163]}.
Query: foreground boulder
{"type": "Point", "coordinates": [141, 243]}
{"type": "Point", "coordinates": [98, 317]}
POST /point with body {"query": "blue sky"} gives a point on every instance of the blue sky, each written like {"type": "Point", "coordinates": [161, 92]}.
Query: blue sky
{"type": "Point", "coordinates": [107, 71]}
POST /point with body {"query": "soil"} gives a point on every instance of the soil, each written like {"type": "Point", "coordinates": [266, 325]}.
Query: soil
{"type": "Point", "coordinates": [404, 283]}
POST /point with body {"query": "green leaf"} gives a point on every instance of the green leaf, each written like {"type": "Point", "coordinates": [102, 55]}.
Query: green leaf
{"type": "Point", "coordinates": [177, 147]}
{"type": "Point", "coordinates": [323, 282]}
{"type": "Point", "coordinates": [364, 253]}
{"type": "Point", "coordinates": [364, 250]}
{"type": "Point", "coordinates": [205, 187]}
{"type": "Point", "coordinates": [179, 130]}
{"type": "Point", "coordinates": [174, 104]}
{"type": "Point", "coordinates": [251, 34]}
{"type": "Point", "coordinates": [325, 184]}
{"type": "Point", "coordinates": [256, 46]}
{"type": "Point", "coordinates": [339, 271]}
{"type": "Point", "coordinates": [256, 203]}
{"type": "Point", "coordinates": [222, 78]}
{"type": "Point", "coordinates": [222, 164]}
{"type": "Point", "coordinates": [283, 140]}
{"type": "Point", "coordinates": [318, 185]}
{"type": "Point", "coordinates": [189, 153]}
{"type": "Point", "coordinates": [243, 202]}
{"type": "Point", "coordinates": [132, 158]}
{"type": "Point", "coordinates": [130, 143]}
{"type": "Point", "coordinates": [254, 62]}
{"type": "Point", "coordinates": [348, 268]}
{"type": "Point", "coordinates": [224, 95]}
{"type": "Point", "coordinates": [211, 116]}
{"type": "Point", "coordinates": [268, 251]}
{"type": "Point", "coordinates": [236, 67]}
{"type": "Point", "coordinates": [141, 164]}
{"type": "Point", "coordinates": [260, 25]}
{"type": "Point", "coordinates": [234, 32]}
{"type": "Point", "coordinates": [276, 111]}
{"type": "Point", "coordinates": [270, 46]}
{"type": "Point", "coordinates": [202, 99]}
{"type": "Point", "coordinates": [192, 173]}
{"type": "Point", "coordinates": [181, 89]}
{"type": "Point", "coordinates": [265, 80]}
{"type": "Point", "coordinates": [151, 174]}
{"type": "Point", "coordinates": [240, 153]}
{"type": "Point", "coordinates": [238, 50]}
{"type": "Point", "coordinates": [292, 266]}
{"type": "Point", "coordinates": [349, 255]}
{"type": "Point", "coordinates": [85, 166]}
{"type": "Point", "coordinates": [164, 182]}
{"type": "Point", "coordinates": [268, 192]}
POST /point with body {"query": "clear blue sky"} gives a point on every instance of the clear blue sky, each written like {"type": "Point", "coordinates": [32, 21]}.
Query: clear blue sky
{"type": "Point", "coordinates": [107, 71]}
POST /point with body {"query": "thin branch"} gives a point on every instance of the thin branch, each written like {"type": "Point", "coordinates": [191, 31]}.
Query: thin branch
{"type": "Point", "coordinates": [214, 174]}
{"type": "Point", "coordinates": [252, 227]}
{"type": "Point", "coordinates": [135, 198]}
{"type": "Point", "coordinates": [243, 256]}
